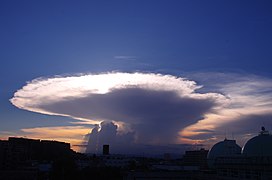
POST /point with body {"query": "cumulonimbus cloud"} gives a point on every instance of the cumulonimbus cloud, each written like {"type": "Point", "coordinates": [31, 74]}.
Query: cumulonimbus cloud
{"type": "Point", "coordinates": [154, 108]}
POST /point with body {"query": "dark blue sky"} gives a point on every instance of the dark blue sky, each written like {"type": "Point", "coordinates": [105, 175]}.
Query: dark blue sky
{"type": "Point", "coordinates": [46, 38]}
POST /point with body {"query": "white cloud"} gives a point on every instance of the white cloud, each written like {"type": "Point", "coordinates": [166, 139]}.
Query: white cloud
{"type": "Point", "coordinates": [249, 106]}
{"type": "Point", "coordinates": [128, 58]}
{"type": "Point", "coordinates": [48, 91]}
{"type": "Point", "coordinates": [157, 108]}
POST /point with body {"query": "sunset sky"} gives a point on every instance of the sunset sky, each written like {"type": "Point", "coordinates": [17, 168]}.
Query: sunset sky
{"type": "Point", "coordinates": [143, 74]}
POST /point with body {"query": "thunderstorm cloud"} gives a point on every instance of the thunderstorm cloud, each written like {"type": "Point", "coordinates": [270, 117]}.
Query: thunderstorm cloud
{"type": "Point", "coordinates": [147, 108]}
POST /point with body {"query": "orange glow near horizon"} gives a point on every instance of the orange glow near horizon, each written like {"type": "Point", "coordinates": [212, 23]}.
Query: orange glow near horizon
{"type": "Point", "coordinates": [69, 134]}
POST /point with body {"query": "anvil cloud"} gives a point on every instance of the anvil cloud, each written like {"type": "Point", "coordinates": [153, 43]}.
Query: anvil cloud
{"type": "Point", "coordinates": [149, 108]}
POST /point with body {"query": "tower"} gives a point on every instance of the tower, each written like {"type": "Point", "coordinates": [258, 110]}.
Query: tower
{"type": "Point", "coordinates": [106, 149]}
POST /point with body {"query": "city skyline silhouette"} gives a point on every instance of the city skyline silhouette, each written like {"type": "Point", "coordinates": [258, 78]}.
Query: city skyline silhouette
{"type": "Point", "coordinates": [149, 77]}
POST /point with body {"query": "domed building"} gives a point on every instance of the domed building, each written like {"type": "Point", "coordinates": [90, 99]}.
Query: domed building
{"type": "Point", "coordinates": [259, 146]}
{"type": "Point", "coordinates": [254, 162]}
{"type": "Point", "coordinates": [226, 148]}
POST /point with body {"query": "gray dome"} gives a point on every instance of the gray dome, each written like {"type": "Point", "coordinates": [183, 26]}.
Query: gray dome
{"type": "Point", "coordinates": [224, 148]}
{"type": "Point", "coordinates": [260, 145]}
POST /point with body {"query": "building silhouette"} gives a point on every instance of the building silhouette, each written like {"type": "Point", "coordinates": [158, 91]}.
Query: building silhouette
{"type": "Point", "coordinates": [28, 159]}
{"type": "Point", "coordinates": [254, 161]}
{"type": "Point", "coordinates": [197, 158]}
{"type": "Point", "coordinates": [22, 158]}
{"type": "Point", "coordinates": [106, 149]}
{"type": "Point", "coordinates": [226, 148]}
{"type": "Point", "coordinates": [226, 160]}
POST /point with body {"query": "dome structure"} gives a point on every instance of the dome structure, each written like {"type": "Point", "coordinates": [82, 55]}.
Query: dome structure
{"type": "Point", "coordinates": [226, 148]}
{"type": "Point", "coordinates": [259, 146]}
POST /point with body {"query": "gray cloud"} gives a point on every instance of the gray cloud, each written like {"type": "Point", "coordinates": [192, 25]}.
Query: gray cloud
{"type": "Point", "coordinates": [249, 107]}
{"type": "Point", "coordinates": [107, 133]}
{"type": "Point", "coordinates": [155, 116]}
{"type": "Point", "coordinates": [241, 128]}
{"type": "Point", "coordinates": [247, 126]}
{"type": "Point", "coordinates": [154, 109]}
{"type": "Point", "coordinates": [119, 143]}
